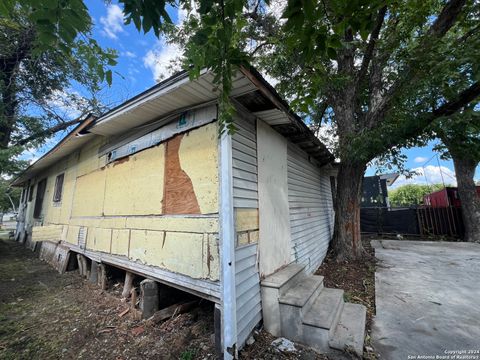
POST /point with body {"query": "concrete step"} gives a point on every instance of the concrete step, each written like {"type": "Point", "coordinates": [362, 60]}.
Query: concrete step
{"type": "Point", "coordinates": [282, 278]}
{"type": "Point", "coordinates": [297, 300]}
{"type": "Point", "coordinates": [303, 289]}
{"type": "Point", "coordinates": [272, 288]}
{"type": "Point", "coordinates": [325, 310]}
{"type": "Point", "coordinates": [319, 322]}
{"type": "Point", "coordinates": [350, 330]}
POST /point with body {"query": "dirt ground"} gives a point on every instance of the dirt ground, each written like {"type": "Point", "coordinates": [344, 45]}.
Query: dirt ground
{"type": "Point", "coordinates": [357, 278]}
{"type": "Point", "coordinates": [45, 315]}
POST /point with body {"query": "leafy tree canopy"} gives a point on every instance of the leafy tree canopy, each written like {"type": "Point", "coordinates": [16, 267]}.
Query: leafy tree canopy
{"type": "Point", "coordinates": [45, 48]}
{"type": "Point", "coordinates": [411, 194]}
{"type": "Point", "coordinates": [7, 196]}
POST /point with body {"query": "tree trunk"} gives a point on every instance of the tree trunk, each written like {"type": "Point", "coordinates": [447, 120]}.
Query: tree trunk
{"type": "Point", "coordinates": [465, 170]}
{"type": "Point", "coordinates": [346, 242]}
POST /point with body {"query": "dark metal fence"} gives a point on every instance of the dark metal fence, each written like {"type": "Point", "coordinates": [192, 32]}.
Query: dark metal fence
{"type": "Point", "coordinates": [421, 221]}
{"type": "Point", "coordinates": [441, 221]}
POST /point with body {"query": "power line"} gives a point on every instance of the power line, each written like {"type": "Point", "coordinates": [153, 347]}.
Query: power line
{"type": "Point", "coordinates": [441, 172]}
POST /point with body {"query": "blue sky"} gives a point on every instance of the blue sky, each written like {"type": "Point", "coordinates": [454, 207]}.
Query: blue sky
{"type": "Point", "coordinates": [143, 59]}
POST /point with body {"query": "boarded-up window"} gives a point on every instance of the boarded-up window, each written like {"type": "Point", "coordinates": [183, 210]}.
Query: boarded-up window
{"type": "Point", "coordinates": [39, 198]}
{"type": "Point", "coordinates": [30, 193]}
{"type": "Point", "coordinates": [57, 193]}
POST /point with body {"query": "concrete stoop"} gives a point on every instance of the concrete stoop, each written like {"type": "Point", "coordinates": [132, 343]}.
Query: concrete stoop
{"type": "Point", "coordinates": [298, 307]}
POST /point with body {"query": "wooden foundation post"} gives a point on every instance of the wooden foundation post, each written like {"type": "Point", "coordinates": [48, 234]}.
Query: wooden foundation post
{"type": "Point", "coordinates": [94, 272]}
{"type": "Point", "coordinates": [127, 286]}
{"type": "Point", "coordinates": [86, 270]}
{"type": "Point", "coordinates": [81, 269]}
{"type": "Point", "coordinates": [217, 324]}
{"type": "Point", "coordinates": [102, 277]}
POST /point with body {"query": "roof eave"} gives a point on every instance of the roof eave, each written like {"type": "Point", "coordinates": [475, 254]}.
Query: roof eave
{"type": "Point", "coordinates": [22, 177]}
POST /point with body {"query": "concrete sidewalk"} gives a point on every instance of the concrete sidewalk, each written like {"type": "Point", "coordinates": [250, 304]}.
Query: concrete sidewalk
{"type": "Point", "coordinates": [427, 299]}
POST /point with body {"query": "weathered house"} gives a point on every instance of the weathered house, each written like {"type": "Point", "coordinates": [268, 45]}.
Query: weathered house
{"type": "Point", "coordinates": [244, 220]}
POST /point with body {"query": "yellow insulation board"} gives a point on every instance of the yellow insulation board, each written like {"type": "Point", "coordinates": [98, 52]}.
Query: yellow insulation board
{"type": "Point", "coordinates": [199, 159]}
{"type": "Point", "coordinates": [246, 219]}
{"type": "Point", "coordinates": [49, 233]}
{"type": "Point", "coordinates": [166, 223]}
{"type": "Point", "coordinates": [89, 194]}
{"type": "Point", "coordinates": [134, 186]}
{"type": "Point", "coordinates": [178, 252]}
{"type": "Point", "coordinates": [120, 242]}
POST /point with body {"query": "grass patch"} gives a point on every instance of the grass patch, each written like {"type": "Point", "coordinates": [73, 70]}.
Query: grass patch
{"type": "Point", "coordinates": [188, 355]}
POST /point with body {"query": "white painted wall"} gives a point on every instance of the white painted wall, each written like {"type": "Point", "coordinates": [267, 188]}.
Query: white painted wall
{"type": "Point", "coordinates": [274, 243]}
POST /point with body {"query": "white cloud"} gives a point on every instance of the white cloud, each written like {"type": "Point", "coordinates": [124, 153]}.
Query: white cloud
{"type": "Point", "coordinates": [428, 175]}
{"type": "Point", "coordinates": [33, 159]}
{"type": "Point", "coordinates": [113, 22]}
{"type": "Point", "coordinates": [163, 59]}
{"type": "Point", "coordinates": [420, 159]}
{"type": "Point", "coordinates": [67, 105]}
{"type": "Point", "coordinates": [129, 54]}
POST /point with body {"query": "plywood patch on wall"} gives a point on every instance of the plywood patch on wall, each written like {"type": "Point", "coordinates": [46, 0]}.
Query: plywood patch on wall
{"type": "Point", "coordinates": [179, 196]}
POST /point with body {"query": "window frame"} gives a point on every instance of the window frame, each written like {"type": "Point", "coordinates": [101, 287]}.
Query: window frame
{"type": "Point", "coordinates": [58, 188]}
{"type": "Point", "coordinates": [30, 193]}
{"type": "Point", "coordinates": [41, 188]}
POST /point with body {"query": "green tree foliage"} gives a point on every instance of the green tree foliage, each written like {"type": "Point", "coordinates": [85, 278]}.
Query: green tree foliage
{"type": "Point", "coordinates": [411, 194]}
{"type": "Point", "coordinates": [370, 67]}
{"type": "Point", "coordinates": [45, 46]}
{"type": "Point", "coordinates": [7, 196]}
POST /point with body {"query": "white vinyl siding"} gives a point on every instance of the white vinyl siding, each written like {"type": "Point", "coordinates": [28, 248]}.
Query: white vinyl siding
{"type": "Point", "coordinates": [249, 307]}
{"type": "Point", "coordinates": [244, 159]}
{"type": "Point", "coordinates": [311, 209]}
{"type": "Point", "coordinates": [245, 195]}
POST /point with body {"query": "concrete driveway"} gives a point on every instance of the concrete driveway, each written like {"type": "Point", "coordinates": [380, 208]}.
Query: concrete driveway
{"type": "Point", "coordinates": [427, 300]}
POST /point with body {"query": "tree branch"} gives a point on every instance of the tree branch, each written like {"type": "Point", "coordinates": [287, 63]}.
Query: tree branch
{"type": "Point", "coordinates": [259, 46]}
{"type": "Point", "coordinates": [445, 20]}
{"type": "Point", "coordinates": [50, 131]}
{"type": "Point", "coordinates": [371, 46]}
{"type": "Point", "coordinates": [390, 136]}
{"type": "Point", "coordinates": [463, 99]}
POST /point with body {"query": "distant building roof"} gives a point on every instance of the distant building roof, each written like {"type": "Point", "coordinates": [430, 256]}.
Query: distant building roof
{"type": "Point", "coordinates": [391, 178]}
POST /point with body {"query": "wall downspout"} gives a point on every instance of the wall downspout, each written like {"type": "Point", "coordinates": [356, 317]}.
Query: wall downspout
{"type": "Point", "coordinates": [227, 250]}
